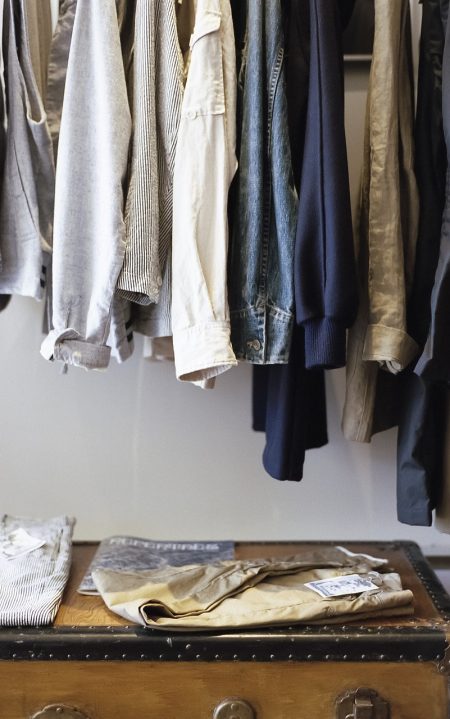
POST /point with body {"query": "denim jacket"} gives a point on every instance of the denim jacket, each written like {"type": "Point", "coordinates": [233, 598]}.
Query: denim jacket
{"type": "Point", "coordinates": [261, 286]}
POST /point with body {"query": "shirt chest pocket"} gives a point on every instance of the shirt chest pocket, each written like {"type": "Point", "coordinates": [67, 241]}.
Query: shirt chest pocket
{"type": "Point", "coordinates": [204, 93]}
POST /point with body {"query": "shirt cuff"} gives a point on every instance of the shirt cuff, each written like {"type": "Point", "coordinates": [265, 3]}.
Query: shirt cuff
{"type": "Point", "coordinates": [66, 346]}
{"type": "Point", "coordinates": [325, 343]}
{"type": "Point", "coordinates": [392, 348]}
{"type": "Point", "coordinates": [203, 352]}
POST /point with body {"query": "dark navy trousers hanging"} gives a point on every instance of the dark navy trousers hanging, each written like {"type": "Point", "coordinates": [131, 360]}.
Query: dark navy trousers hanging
{"type": "Point", "coordinates": [421, 425]}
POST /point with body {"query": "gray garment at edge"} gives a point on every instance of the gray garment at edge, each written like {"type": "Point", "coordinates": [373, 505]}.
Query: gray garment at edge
{"type": "Point", "coordinates": [89, 231]}
{"type": "Point", "coordinates": [26, 203]}
{"type": "Point", "coordinates": [251, 592]}
{"type": "Point", "coordinates": [4, 299]}
{"type": "Point", "coordinates": [31, 586]}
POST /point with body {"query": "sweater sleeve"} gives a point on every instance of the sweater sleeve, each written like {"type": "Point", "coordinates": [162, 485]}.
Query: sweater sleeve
{"type": "Point", "coordinates": [324, 274]}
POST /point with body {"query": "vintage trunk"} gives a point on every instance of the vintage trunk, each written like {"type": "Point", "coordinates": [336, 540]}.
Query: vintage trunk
{"type": "Point", "coordinates": [92, 665]}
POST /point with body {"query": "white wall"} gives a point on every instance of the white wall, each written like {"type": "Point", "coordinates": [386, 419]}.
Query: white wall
{"type": "Point", "coordinates": [131, 450]}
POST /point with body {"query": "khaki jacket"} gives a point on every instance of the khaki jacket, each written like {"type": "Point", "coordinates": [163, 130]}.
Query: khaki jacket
{"type": "Point", "coordinates": [387, 228]}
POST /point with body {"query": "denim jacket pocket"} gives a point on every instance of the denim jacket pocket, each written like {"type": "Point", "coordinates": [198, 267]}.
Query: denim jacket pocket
{"type": "Point", "coordinates": [205, 93]}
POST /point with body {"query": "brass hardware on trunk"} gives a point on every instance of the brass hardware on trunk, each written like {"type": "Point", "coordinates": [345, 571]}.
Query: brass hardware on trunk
{"type": "Point", "coordinates": [59, 711]}
{"type": "Point", "coordinates": [362, 704]}
{"type": "Point", "coordinates": [234, 709]}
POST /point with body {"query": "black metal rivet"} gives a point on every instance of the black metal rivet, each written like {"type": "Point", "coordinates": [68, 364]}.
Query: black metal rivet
{"type": "Point", "coordinates": [187, 647]}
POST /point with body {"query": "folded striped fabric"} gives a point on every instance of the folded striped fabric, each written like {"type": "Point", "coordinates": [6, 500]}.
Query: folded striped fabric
{"type": "Point", "coordinates": [32, 584]}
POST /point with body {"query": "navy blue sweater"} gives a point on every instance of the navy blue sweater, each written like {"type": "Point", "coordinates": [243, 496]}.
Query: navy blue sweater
{"type": "Point", "coordinates": [326, 293]}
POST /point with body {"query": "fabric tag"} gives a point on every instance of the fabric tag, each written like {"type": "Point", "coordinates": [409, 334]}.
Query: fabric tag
{"type": "Point", "coordinates": [338, 586]}
{"type": "Point", "coordinates": [17, 543]}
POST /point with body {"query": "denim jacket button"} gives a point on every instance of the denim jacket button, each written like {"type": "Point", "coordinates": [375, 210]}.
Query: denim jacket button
{"type": "Point", "coordinates": [254, 344]}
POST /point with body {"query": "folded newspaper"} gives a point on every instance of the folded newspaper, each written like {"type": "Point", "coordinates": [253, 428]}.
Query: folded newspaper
{"type": "Point", "coordinates": [134, 554]}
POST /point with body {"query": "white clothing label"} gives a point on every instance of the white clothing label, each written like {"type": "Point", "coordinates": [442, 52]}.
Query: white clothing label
{"type": "Point", "coordinates": [338, 586]}
{"type": "Point", "coordinates": [17, 543]}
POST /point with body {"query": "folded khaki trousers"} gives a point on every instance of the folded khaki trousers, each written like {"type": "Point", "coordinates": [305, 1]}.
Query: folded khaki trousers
{"type": "Point", "coordinates": [251, 593]}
